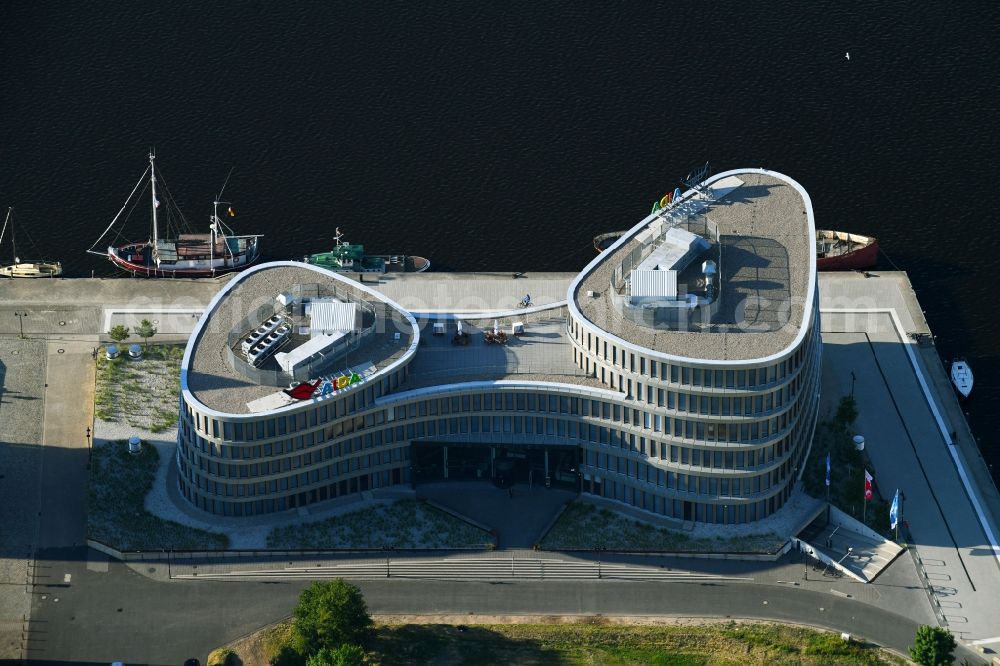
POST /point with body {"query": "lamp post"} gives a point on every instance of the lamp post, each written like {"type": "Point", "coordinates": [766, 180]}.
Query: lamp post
{"type": "Point", "coordinates": [20, 320]}
{"type": "Point", "coordinates": [853, 379]}
{"type": "Point", "coordinates": [90, 450]}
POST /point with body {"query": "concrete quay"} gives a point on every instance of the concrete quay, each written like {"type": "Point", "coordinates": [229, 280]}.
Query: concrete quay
{"type": "Point", "coordinates": [908, 413]}
{"type": "Point", "coordinates": [918, 441]}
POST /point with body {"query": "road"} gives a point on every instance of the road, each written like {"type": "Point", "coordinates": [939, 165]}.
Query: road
{"type": "Point", "coordinates": [89, 610]}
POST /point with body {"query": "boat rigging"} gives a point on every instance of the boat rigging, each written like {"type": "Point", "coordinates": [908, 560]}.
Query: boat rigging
{"type": "Point", "coordinates": [179, 254]}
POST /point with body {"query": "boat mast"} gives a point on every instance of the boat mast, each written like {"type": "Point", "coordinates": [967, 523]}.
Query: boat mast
{"type": "Point", "coordinates": [211, 236]}
{"type": "Point", "coordinates": [156, 204]}
{"type": "Point", "coordinates": [6, 220]}
{"type": "Point", "coordinates": [216, 223]}
{"type": "Point", "coordinates": [13, 237]}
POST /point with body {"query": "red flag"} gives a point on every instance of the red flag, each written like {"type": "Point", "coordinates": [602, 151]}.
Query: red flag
{"type": "Point", "coordinates": [868, 487]}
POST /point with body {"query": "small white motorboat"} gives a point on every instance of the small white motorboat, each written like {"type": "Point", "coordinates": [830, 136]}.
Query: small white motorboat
{"type": "Point", "coordinates": [961, 377]}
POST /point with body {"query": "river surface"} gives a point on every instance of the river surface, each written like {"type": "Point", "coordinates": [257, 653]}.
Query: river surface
{"type": "Point", "coordinates": [504, 136]}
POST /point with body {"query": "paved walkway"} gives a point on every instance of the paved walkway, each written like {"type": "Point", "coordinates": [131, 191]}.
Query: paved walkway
{"type": "Point", "coordinates": [908, 450]}
{"type": "Point", "coordinates": [22, 400]}
{"type": "Point", "coordinates": [69, 411]}
{"type": "Point", "coordinates": [471, 292]}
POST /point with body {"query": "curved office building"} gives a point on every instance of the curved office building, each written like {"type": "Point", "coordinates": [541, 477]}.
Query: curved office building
{"type": "Point", "coordinates": [681, 375]}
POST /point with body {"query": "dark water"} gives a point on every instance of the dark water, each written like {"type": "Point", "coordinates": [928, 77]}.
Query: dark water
{"type": "Point", "coordinates": [504, 136]}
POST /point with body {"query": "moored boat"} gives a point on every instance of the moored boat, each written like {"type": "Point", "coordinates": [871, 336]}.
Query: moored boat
{"type": "Point", "coordinates": [603, 241]}
{"type": "Point", "coordinates": [32, 268]}
{"type": "Point", "coordinates": [961, 377]}
{"type": "Point", "coordinates": [843, 251]}
{"type": "Point", "coordinates": [351, 258]}
{"type": "Point", "coordinates": [180, 253]}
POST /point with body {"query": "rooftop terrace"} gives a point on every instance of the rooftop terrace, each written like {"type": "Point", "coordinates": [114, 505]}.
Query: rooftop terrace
{"type": "Point", "coordinates": [765, 244]}
{"type": "Point", "coordinates": [542, 353]}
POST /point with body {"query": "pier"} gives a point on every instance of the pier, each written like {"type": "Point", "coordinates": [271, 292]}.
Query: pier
{"type": "Point", "coordinates": [876, 345]}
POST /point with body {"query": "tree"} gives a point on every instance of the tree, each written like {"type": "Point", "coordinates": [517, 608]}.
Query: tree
{"type": "Point", "coordinates": [847, 411]}
{"type": "Point", "coordinates": [933, 646]}
{"type": "Point", "coordinates": [118, 333]}
{"type": "Point", "coordinates": [346, 655]}
{"type": "Point", "coordinates": [145, 331]}
{"type": "Point", "coordinates": [330, 614]}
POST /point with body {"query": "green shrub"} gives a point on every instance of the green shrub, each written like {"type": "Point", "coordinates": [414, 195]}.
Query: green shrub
{"type": "Point", "coordinates": [933, 646]}
{"type": "Point", "coordinates": [330, 614]}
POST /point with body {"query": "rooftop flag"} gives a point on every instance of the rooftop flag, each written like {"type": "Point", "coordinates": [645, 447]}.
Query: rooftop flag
{"type": "Point", "coordinates": [868, 487]}
{"type": "Point", "coordinates": [894, 511]}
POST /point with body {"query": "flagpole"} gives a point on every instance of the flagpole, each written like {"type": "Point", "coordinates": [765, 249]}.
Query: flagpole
{"type": "Point", "coordinates": [827, 477]}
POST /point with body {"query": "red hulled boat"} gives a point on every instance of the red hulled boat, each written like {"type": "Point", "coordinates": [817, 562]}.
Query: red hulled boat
{"type": "Point", "coordinates": [185, 254]}
{"type": "Point", "coordinates": [842, 251]}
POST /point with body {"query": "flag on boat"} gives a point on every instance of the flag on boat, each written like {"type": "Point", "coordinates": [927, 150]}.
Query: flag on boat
{"type": "Point", "coordinates": [868, 487]}
{"type": "Point", "coordinates": [894, 511]}
{"type": "Point", "coordinates": [232, 213]}
{"type": "Point", "coordinates": [156, 203]}
{"type": "Point", "coordinates": [828, 468]}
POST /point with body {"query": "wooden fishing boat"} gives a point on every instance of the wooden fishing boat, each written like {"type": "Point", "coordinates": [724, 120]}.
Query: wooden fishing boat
{"type": "Point", "coordinates": [843, 251]}
{"type": "Point", "coordinates": [179, 253]}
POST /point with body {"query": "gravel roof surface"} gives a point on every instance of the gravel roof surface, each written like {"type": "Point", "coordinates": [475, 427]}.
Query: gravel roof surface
{"type": "Point", "coordinates": [765, 263]}
{"type": "Point", "coordinates": [218, 387]}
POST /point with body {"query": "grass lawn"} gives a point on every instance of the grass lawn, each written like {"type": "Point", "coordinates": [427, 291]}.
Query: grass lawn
{"type": "Point", "coordinates": [595, 643]}
{"type": "Point", "coordinates": [119, 483]}
{"type": "Point", "coordinates": [402, 524]}
{"type": "Point", "coordinates": [141, 393]}
{"type": "Point", "coordinates": [585, 526]}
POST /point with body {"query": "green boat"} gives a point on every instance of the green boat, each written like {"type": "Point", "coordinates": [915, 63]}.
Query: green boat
{"type": "Point", "coordinates": [351, 258]}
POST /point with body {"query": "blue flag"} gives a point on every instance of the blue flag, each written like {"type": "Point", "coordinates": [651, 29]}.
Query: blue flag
{"type": "Point", "coordinates": [828, 469]}
{"type": "Point", "coordinates": [894, 511]}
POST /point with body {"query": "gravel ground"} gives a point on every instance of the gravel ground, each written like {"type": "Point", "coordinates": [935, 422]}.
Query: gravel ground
{"type": "Point", "coordinates": [586, 528]}
{"type": "Point", "coordinates": [401, 524]}
{"type": "Point", "coordinates": [22, 407]}
{"type": "Point", "coordinates": [143, 393]}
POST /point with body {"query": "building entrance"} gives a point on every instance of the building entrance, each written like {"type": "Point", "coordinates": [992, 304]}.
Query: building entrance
{"type": "Point", "coordinates": [503, 465]}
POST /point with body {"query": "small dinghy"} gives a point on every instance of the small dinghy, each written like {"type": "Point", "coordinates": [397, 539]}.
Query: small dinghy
{"type": "Point", "coordinates": [961, 377]}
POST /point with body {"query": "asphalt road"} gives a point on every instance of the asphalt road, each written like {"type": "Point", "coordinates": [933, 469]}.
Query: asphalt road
{"type": "Point", "coordinates": [105, 611]}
